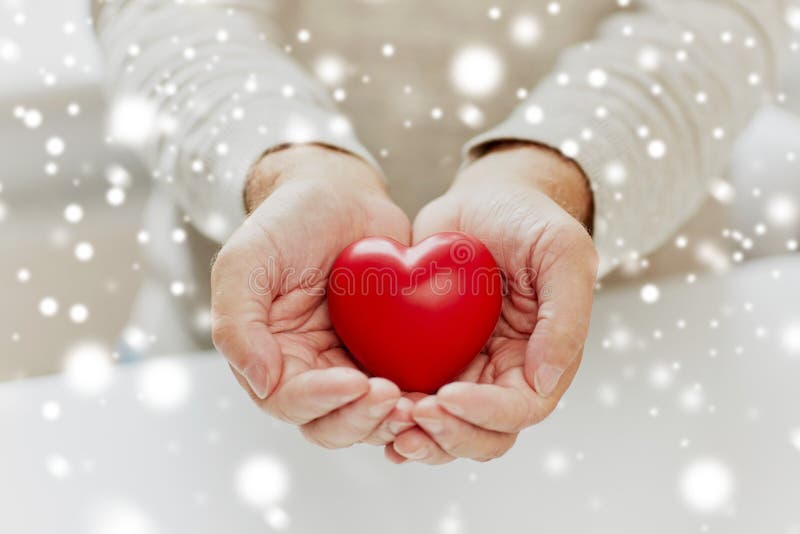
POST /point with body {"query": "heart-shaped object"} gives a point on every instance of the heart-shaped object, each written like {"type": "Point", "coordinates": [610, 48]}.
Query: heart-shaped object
{"type": "Point", "coordinates": [415, 315]}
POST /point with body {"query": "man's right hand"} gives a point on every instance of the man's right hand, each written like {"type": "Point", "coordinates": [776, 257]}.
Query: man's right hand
{"type": "Point", "coordinates": [269, 312]}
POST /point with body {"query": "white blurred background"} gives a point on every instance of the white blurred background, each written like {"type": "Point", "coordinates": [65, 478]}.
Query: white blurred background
{"type": "Point", "coordinates": [69, 206]}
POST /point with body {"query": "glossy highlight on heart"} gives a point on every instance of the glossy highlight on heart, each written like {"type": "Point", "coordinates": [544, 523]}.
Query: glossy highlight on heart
{"type": "Point", "coordinates": [415, 315]}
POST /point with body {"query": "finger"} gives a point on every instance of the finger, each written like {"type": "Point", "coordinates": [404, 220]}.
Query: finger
{"type": "Point", "coordinates": [355, 421]}
{"type": "Point", "coordinates": [238, 319]}
{"type": "Point", "coordinates": [398, 420]}
{"type": "Point", "coordinates": [392, 455]}
{"type": "Point", "coordinates": [489, 406]}
{"type": "Point", "coordinates": [458, 438]}
{"type": "Point", "coordinates": [245, 385]}
{"type": "Point", "coordinates": [312, 394]}
{"type": "Point", "coordinates": [252, 352]}
{"type": "Point", "coordinates": [565, 289]}
{"type": "Point", "coordinates": [415, 445]}
{"type": "Point", "coordinates": [474, 370]}
{"type": "Point", "coordinates": [433, 218]}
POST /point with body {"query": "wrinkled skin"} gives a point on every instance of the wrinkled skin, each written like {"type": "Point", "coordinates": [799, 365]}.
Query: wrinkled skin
{"type": "Point", "coordinates": [269, 314]}
{"type": "Point", "coordinates": [271, 323]}
{"type": "Point", "coordinates": [536, 349]}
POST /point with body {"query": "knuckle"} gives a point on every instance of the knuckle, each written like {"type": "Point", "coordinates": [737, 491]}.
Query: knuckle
{"type": "Point", "coordinates": [380, 436]}
{"type": "Point", "coordinates": [455, 447]}
{"type": "Point", "coordinates": [488, 456]}
{"type": "Point", "coordinates": [279, 406]}
{"type": "Point", "coordinates": [547, 412]}
{"type": "Point", "coordinates": [571, 339]}
{"type": "Point", "coordinates": [506, 446]}
{"type": "Point", "coordinates": [409, 442]}
{"type": "Point", "coordinates": [521, 416]}
{"type": "Point", "coordinates": [574, 236]}
{"type": "Point", "coordinates": [321, 439]}
{"type": "Point", "coordinates": [223, 332]}
{"type": "Point", "coordinates": [274, 407]}
{"type": "Point", "coordinates": [544, 411]}
{"type": "Point", "coordinates": [570, 232]}
{"type": "Point", "coordinates": [458, 444]}
{"type": "Point", "coordinates": [497, 449]}
{"type": "Point", "coordinates": [559, 241]}
{"type": "Point", "coordinates": [525, 413]}
{"type": "Point", "coordinates": [374, 439]}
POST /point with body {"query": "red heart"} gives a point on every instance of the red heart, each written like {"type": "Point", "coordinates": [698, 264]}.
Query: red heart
{"type": "Point", "coordinates": [415, 315]}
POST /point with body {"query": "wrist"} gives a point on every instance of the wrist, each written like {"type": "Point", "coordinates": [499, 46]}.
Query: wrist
{"type": "Point", "coordinates": [308, 162]}
{"type": "Point", "coordinates": [526, 164]}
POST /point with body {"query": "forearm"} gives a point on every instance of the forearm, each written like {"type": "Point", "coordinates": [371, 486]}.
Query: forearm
{"type": "Point", "coordinates": [650, 110]}
{"type": "Point", "coordinates": [309, 162]}
{"type": "Point", "coordinates": [221, 92]}
{"type": "Point", "coordinates": [536, 165]}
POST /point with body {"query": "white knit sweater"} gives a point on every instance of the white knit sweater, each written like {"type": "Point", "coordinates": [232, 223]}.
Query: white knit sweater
{"type": "Point", "coordinates": [649, 107]}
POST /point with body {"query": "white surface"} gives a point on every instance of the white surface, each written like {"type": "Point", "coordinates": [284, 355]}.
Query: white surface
{"type": "Point", "coordinates": [162, 449]}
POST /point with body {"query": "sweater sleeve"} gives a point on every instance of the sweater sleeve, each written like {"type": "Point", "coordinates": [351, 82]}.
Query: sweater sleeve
{"type": "Point", "coordinates": [650, 110]}
{"type": "Point", "coordinates": [202, 90]}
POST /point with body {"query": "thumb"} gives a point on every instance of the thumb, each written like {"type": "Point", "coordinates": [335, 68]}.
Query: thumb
{"type": "Point", "coordinates": [240, 301]}
{"type": "Point", "coordinates": [565, 292]}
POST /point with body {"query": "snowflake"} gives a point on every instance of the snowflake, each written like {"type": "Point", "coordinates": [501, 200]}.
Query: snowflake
{"type": "Point", "coordinates": [58, 466]}
{"type": "Point", "coordinates": [51, 411]}
{"type": "Point", "coordinates": [73, 213]}
{"type": "Point", "coordinates": [262, 481]}
{"type": "Point", "coordinates": [277, 518]}
{"type": "Point", "coordinates": [707, 485]}
{"type": "Point", "coordinates": [84, 251]}
{"type": "Point", "coordinates": [48, 306]}
{"type": "Point", "coordinates": [88, 368]}
{"type": "Point", "coordinates": [650, 293]}
{"type": "Point", "coordinates": [330, 69]}
{"type": "Point", "coordinates": [476, 71]}
{"type": "Point", "coordinates": [526, 30]}
{"type": "Point", "coordinates": [556, 463]}
{"type": "Point", "coordinates": [132, 121]}
{"type": "Point", "coordinates": [657, 149]}
{"type": "Point", "coordinates": [78, 313]}
{"type": "Point", "coordinates": [471, 115]}
{"type": "Point", "coordinates": [163, 384]}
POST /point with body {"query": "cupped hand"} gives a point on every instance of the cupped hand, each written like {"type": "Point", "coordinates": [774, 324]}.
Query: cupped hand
{"type": "Point", "coordinates": [527, 204]}
{"type": "Point", "coordinates": [269, 312]}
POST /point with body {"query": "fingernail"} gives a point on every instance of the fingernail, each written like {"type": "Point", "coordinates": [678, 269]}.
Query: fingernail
{"type": "Point", "coordinates": [342, 373]}
{"type": "Point", "coordinates": [379, 410]}
{"type": "Point", "coordinates": [546, 379]}
{"type": "Point", "coordinates": [418, 454]}
{"type": "Point", "coordinates": [336, 401]}
{"type": "Point", "coordinates": [404, 404]}
{"type": "Point", "coordinates": [434, 426]}
{"type": "Point", "coordinates": [257, 377]}
{"type": "Point", "coordinates": [454, 409]}
{"type": "Point", "coordinates": [396, 427]}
